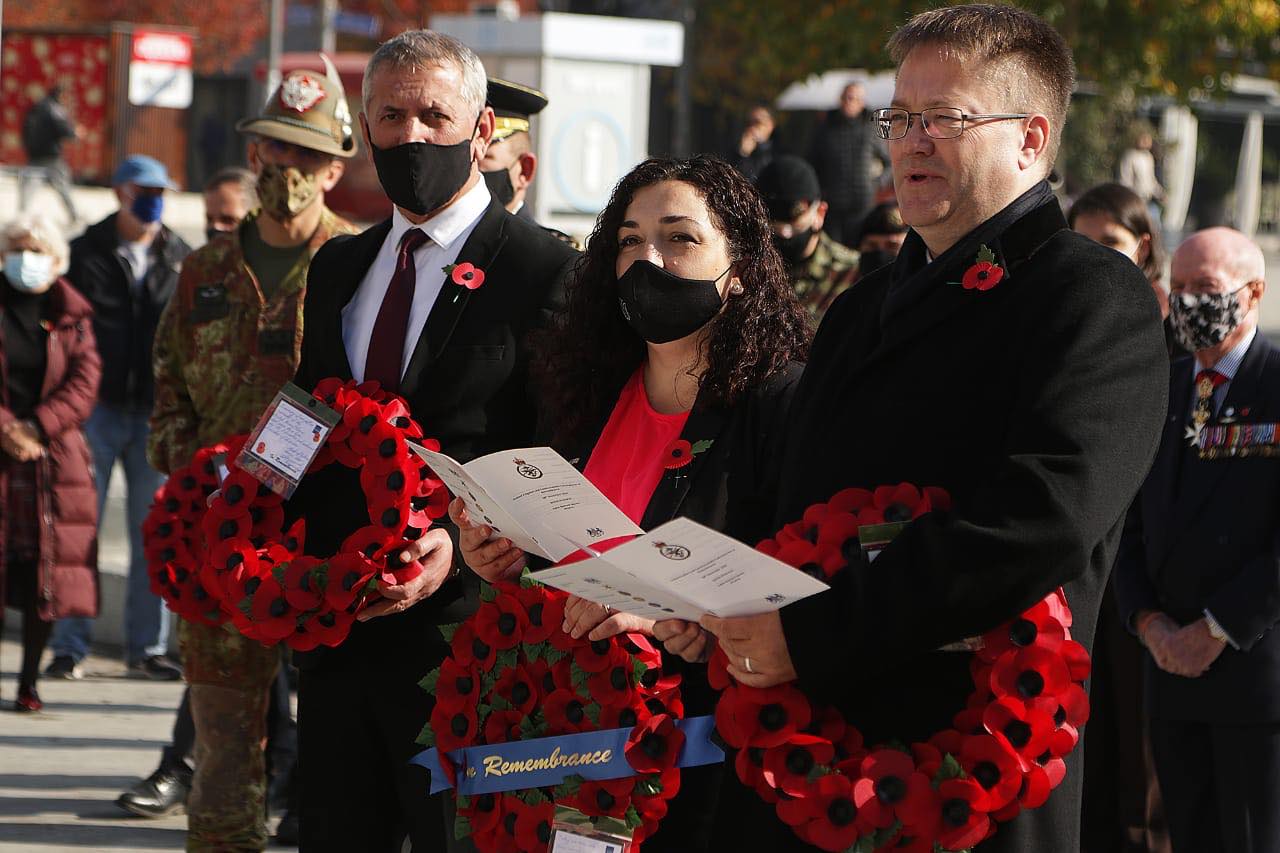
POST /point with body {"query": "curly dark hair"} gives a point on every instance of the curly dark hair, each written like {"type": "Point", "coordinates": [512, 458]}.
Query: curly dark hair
{"type": "Point", "coordinates": [587, 357]}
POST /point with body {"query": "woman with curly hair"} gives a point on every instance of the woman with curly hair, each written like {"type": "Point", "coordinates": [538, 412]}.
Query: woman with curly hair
{"type": "Point", "coordinates": [668, 378]}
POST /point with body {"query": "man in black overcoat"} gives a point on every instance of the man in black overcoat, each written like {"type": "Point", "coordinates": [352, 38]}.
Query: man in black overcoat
{"type": "Point", "coordinates": [1198, 576]}
{"type": "Point", "coordinates": [1033, 393]}
{"type": "Point", "coordinates": [383, 305]}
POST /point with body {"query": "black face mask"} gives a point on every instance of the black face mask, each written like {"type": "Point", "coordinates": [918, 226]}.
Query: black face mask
{"type": "Point", "coordinates": [422, 176]}
{"type": "Point", "coordinates": [500, 187]}
{"type": "Point", "coordinates": [792, 248]}
{"type": "Point", "coordinates": [869, 262]}
{"type": "Point", "coordinates": [664, 307]}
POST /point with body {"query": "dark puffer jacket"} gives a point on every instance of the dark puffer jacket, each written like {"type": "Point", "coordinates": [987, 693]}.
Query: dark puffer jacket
{"type": "Point", "coordinates": [67, 500]}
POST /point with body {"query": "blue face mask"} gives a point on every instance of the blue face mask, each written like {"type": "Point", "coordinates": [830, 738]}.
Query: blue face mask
{"type": "Point", "coordinates": [146, 208]}
{"type": "Point", "coordinates": [28, 272]}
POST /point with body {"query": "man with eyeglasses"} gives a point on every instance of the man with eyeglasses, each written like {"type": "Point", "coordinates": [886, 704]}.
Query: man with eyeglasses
{"type": "Point", "coordinates": [1014, 363]}
{"type": "Point", "coordinates": [228, 341]}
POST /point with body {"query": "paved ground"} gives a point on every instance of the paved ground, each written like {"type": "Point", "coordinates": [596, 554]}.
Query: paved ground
{"type": "Point", "coordinates": [61, 770]}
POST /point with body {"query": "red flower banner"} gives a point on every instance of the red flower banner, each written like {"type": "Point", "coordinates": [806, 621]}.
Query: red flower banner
{"type": "Point", "coordinates": [1005, 752]}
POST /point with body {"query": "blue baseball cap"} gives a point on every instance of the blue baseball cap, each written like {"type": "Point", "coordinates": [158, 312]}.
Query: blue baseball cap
{"type": "Point", "coordinates": [144, 171]}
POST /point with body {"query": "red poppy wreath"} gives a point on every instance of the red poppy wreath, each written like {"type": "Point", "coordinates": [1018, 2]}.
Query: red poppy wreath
{"type": "Point", "coordinates": [1004, 753]}
{"type": "Point", "coordinates": [219, 551]}
{"type": "Point", "coordinates": [513, 674]}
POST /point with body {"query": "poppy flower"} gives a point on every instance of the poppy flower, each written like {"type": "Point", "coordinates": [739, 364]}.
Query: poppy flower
{"type": "Point", "coordinates": [902, 502]}
{"type": "Point", "coordinates": [391, 516]}
{"type": "Point", "coordinates": [540, 673]}
{"type": "Point", "coordinates": [653, 806]}
{"type": "Point", "coordinates": [345, 579]}
{"type": "Point", "coordinates": [515, 686]}
{"type": "Point", "coordinates": [218, 529]}
{"type": "Point", "coordinates": [833, 822]}
{"type": "Point", "coordinates": [456, 685]}
{"type": "Point", "coordinates": [271, 612]}
{"type": "Point", "coordinates": [1023, 730]}
{"type": "Point", "coordinates": [749, 766]}
{"type": "Point", "coordinates": [235, 495]}
{"type": "Point", "coordinates": [1035, 627]}
{"type": "Point", "coordinates": [469, 276]}
{"type": "Point", "coordinates": [761, 717]}
{"type": "Point", "coordinates": [654, 745]}
{"type": "Point", "coordinates": [453, 727]}
{"type": "Point", "coordinates": [330, 627]}
{"type": "Point", "coordinates": [599, 655]}
{"type": "Point", "coordinates": [888, 783]}
{"type": "Point", "coordinates": [504, 726]}
{"type": "Point", "coordinates": [383, 486]}
{"type": "Point", "coordinates": [963, 808]}
{"type": "Point", "coordinates": [678, 454]}
{"type": "Point", "coordinates": [992, 766]}
{"type": "Point", "coordinates": [469, 650]}
{"type": "Point", "coordinates": [849, 500]}
{"type": "Point", "coordinates": [483, 812]}
{"type": "Point", "coordinates": [822, 560]}
{"type": "Point", "coordinates": [361, 416]}
{"type": "Point", "coordinates": [565, 713]}
{"type": "Point", "coordinates": [387, 451]}
{"type": "Point", "coordinates": [614, 684]}
{"type": "Point", "coordinates": [1030, 673]}
{"type": "Point", "coordinates": [504, 838]}
{"type": "Point", "coordinates": [230, 554]}
{"type": "Point", "coordinates": [501, 622]}
{"type": "Point", "coordinates": [367, 541]}
{"type": "Point", "coordinates": [160, 529]}
{"type": "Point", "coordinates": [424, 509]}
{"type": "Point", "coordinates": [787, 767]}
{"type": "Point", "coordinates": [839, 529]}
{"type": "Point", "coordinates": [1077, 660]}
{"type": "Point", "coordinates": [982, 276]}
{"type": "Point", "coordinates": [610, 797]}
{"type": "Point", "coordinates": [545, 611]}
{"type": "Point", "coordinates": [1074, 702]}
{"type": "Point", "coordinates": [625, 717]}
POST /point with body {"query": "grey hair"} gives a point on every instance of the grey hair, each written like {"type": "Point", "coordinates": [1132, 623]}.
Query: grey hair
{"type": "Point", "coordinates": [417, 49]}
{"type": "Point", "coordinates": [41, 230]}
{"type": "Point", "coordinates": [245, 181]}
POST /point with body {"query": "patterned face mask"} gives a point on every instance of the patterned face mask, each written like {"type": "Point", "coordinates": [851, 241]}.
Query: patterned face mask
{"type": "Point", "coordinates": [1203, 320]}
{"type": "Point", "coordinates": [284, 192]}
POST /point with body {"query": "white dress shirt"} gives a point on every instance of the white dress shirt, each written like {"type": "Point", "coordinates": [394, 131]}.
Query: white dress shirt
{"type": "Point", "coordinates": [448, 232]}
{"type": "Point", "coordinates": [1227, 366]}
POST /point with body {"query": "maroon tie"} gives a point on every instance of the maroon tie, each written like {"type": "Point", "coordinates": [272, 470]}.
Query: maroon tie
{"type": "Point", "coordinates": [386, 347]}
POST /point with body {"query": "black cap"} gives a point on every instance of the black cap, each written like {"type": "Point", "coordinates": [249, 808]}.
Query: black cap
{"type": "Point", "coordinates": [884, 218]}
{"type": "Point", "coordinates": [786, 184]}
{"type": "Point", "coordinates": [512, 105]}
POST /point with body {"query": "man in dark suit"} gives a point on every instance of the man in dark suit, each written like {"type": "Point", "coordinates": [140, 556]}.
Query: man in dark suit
{"type": "Point", "coordinates": [1198, 577]}
{"type": "Point", "coordinates": [381, 306]}
{"type": "Point", "coordinates": [1031, 390]}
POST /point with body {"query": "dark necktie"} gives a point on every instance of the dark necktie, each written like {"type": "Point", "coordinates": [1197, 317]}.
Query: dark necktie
{"type": "Point", "coordinates": [386, 346]}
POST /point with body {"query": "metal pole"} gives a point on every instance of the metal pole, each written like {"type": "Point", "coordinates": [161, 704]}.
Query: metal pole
{"type": "Point", "coordinates": [275, 45]}
{"type": "Point", "coordinates": [682, 132]}
{"type": "Point", "coordinates": [328, 38]}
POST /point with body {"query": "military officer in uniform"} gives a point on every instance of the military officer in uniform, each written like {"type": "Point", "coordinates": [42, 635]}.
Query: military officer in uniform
{"type": "Point", "coordinates": [228, 341]}
{"type": "Point", "coordinates": [510, 164]}
{"type": "Point", "coordinates": [820, 268]}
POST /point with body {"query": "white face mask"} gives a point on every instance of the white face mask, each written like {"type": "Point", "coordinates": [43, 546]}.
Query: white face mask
{"type": "Point", "coordinates": [29, 272]}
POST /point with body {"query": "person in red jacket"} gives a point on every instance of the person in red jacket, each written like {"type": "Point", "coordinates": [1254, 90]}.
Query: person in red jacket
{"type": "Point", "coordinates": [49, 372]}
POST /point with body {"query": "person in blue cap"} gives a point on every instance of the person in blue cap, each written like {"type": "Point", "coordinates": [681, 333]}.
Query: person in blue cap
{"type": "Point", "coordinates": [127, 267]}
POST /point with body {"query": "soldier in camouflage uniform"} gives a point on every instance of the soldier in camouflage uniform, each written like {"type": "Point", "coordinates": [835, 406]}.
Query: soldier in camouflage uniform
{"type": "Point", "coordinates": [228, 340]}
{"type": "Point", "coordinates": [820, 268]}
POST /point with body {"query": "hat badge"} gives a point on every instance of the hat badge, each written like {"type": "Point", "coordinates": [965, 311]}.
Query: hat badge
{"type": "Point", "coordinates": [300, 92]}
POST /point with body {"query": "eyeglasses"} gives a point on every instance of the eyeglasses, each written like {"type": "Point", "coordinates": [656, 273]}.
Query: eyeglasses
{"type": "Point", "coordinates": [938, 122]}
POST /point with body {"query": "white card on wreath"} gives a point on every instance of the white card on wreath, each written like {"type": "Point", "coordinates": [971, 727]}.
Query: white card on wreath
{"type": "Point", "coordinates": [533, 497]}
{"type": "Point", "coordinates": [682, 570]}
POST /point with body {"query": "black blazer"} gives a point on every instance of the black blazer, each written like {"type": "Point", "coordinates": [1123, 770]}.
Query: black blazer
{"type": "Point", "coordinates": [466, 383]}
{"type": "Point", "coordinates": [1037, 405]}
{"type": "Point", "coordinates": [1206, 534]}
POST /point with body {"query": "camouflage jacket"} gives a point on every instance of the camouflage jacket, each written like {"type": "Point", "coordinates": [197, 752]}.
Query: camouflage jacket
{"type": "Point", "coordinates": [222, 349]}
{"type": "Point", "coordinates": [824, 275]}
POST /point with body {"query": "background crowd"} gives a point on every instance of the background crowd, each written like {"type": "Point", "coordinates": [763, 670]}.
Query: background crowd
{"type": "Point", "coordinates": [124, 347]}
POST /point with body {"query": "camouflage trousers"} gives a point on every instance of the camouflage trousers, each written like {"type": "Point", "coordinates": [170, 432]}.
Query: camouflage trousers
{"type": "Point", "coordinates": [230, 678]}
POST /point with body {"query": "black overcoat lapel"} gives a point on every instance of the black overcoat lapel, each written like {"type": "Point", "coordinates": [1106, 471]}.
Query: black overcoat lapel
{"type": "Point", "coordinates": [1159, 493]}
{"type": "Point", "coordinates": [480, 250]}
{"type": "Point", "coordinates": [1204, 477]}
{"type": "Point", "coordinates": [342, 286]}
{"type": "Point", "coordinates": [701, 430]}
{"type": "Point", "coordinates": [948, 301]}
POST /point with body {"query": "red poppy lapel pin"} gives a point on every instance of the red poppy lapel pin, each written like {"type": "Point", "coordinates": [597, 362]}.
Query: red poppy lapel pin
{"type": "Point", "coordinates": [985, 273]}
{"type": "Point", "coordinates": [468, 276]}
{"type": "Point", "coordinates": [680, 452]}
